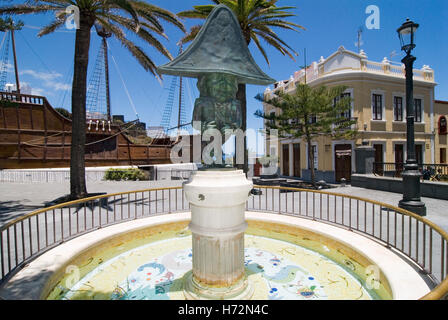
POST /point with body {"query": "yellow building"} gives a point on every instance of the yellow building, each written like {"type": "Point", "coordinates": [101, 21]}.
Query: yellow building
{"type": "Point", "coordinates": [378, 97]}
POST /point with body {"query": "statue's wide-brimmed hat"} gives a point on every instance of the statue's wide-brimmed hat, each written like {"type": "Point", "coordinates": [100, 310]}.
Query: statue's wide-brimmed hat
{"type": "Point", "coordinates": [219, 47]}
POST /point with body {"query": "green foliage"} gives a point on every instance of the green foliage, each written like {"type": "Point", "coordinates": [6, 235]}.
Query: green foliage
{"type": "Point", "coordinates": [310, 112]}
{"type": "Point", "coordinates": [118, 17]}
{"type": "Point", "coordinates": [140, 139]}
{"type": "Point", "coordinates": [132, 174]}
{"type": "Point", "coordinates": [118, 122]}
{"type": "Point", "coordinates": [64, 112]}
{"type": "Point", "coordinates": [256, 18]}
{"type": "Point", "coordinates": [9, 24]}
{"type": "Point", "coordinates": [8, 104]}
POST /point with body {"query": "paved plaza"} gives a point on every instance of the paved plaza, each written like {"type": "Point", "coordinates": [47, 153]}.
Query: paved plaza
{"type": "Point", "coordinates": [17, 199]}
{"type": "Point", "coordinates": [20, 198]}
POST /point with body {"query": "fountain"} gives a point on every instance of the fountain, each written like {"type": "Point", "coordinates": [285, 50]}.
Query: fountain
{"type": "Point", "coordinates": [220, 59]}
{"type": "Point", "coordinates": [285, 246]}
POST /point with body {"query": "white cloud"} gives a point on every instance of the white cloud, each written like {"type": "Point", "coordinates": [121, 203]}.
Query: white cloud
{"type": "Point", "coordinates": [25, 87]}
{"type": "Point", "coordinates": [49, 80]}
{"type": "Point", "coordinates": [46, 76]}
{"type": "Point", "coordinates": [38, 92]}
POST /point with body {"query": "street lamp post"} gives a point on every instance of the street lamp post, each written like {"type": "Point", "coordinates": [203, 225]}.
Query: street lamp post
{"type": "Point", "coordinates": [411, 175]}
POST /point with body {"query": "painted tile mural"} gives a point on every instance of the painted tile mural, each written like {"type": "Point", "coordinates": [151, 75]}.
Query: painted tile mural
{"type": "Point", "coordinates": [276, 269]}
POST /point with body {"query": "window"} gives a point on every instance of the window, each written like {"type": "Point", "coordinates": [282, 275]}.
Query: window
{"type": "Point", "coordinates": [442, 125]}
{"type": "Point", "coordinates": [272, 121]}
{"type": "Point", "coordinates": [348, 113]}
{"type": "Point", "coordinates": [442, 155]}
{"type": "Point", "coordinates": [312, 119]}
{"type": "Point", "coordinates": [377, 107]}
{"type": "Point", "coordinates": [418, 110]}
{"type": "Point", "coordinates": [398, 109]}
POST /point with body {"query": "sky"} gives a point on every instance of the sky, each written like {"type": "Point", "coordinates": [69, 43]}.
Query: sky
{"type": "Point", "coordinates": [46, 63]}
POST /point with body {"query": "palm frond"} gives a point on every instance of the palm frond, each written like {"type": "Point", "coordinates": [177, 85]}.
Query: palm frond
{"type": "Point", "coordinates": [136, 51]}
{"type": "Point", "coordinates": [256, 18]}
{"type": "Point", "coordinates": [259, 46]}
{"type": "Point", "coordinates": [146, 9]}
{"type": "Point", "coordinates": [25, 9]}
{"type": "Point", "coordinates": [124, 5]}
{"type": "Point", "coordinates": [191, 34]}
{"type": "Point", "coordinates": [50, 28]}
{"type": "Point", "coordinates": [277, 44]}
{"type": "Point", "coordinates": [141, 33]}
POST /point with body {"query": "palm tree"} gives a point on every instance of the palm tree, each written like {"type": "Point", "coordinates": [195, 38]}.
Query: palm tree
{"type": "Point", "coordinates": [256, 18]}
{"type": "Point", "coordinates": [114, 16]}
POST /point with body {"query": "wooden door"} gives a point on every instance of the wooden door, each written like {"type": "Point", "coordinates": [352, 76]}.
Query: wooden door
{"type": "Point", "coordinates": [343, 161]}
{"type": "Point", "coordinates": [399, 159]}
{"type": "Point", "coordinates": [297, 169]}
{"type": "Point", "coordinates": [285, 155]}
{"type": "Point", "coordinates": [419, 153]}
{"type": "Point", "coordinates": [378, 158]}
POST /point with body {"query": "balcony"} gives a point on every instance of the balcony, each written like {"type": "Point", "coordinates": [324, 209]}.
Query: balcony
{"type": "Point", "coordinates": [347, 62]}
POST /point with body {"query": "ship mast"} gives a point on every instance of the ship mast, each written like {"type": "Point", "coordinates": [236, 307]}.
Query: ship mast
{"type": "Point", "coordinates": [16, 69]}
{"type": "Point", "coordinates": [9, 25]}
{"type": "Point", "coordinates": [180, 99]}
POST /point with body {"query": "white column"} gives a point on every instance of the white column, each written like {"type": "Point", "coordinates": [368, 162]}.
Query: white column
{"type": "Point", "coordinates": [218, 200]}
{"type": "Point", "coordinates": [431, 117]}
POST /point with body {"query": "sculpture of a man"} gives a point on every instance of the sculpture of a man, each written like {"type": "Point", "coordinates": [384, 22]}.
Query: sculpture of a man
{"type": "Point", "coordinates": [217, 106]}
{"type": "Point", "coordinates": [220, 59]}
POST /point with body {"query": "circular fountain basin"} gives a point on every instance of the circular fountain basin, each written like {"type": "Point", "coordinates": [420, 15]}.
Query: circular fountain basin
{"type": "Point", "coordinates": [285, 258]}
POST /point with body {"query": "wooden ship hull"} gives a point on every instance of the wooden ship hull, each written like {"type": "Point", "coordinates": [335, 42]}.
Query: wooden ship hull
{"type": "Point", "coordinates": [34, 135]}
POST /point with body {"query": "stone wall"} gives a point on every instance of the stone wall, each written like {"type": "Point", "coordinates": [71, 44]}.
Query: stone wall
{"type": "Point", "coordinates": [437, 190]}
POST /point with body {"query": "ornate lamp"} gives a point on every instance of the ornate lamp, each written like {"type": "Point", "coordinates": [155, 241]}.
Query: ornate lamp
{"type": "Point", "coordinates": [411, 175]}
{"type": "Point", "coordinates": [406, 33]}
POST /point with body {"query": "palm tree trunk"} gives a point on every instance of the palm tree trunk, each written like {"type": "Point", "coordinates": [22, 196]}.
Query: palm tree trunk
{"type": "Point", "coordinates": [241, 97]}
{"type": "Point", "coordinates": [311, 161]}
{"type": "Point", "coordinates": [77, 161]}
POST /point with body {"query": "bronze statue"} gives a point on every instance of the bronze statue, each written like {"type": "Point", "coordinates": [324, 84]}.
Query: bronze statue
{"type": "Point", "coordinates": [220, 59]}
{"type": "Point", "coordinates": [217, 106]}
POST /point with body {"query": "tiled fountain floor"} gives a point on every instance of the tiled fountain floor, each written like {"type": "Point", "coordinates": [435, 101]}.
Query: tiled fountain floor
{"type": "Point", "coordinates": [276, 269]}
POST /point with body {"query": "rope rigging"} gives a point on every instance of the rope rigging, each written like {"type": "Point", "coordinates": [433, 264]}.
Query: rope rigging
{"type": "Point", "coordinates": [131, 102]}
{"type": "Point", "coordinates": [96, 104]}
{"type": "Point", "coordinates": [181, 84]}
{"type": "Point", "coordinates": [4, 61]}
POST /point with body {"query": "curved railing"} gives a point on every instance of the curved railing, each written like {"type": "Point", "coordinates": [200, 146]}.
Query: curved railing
{"type": "Point", "coordinates": [419, 240]}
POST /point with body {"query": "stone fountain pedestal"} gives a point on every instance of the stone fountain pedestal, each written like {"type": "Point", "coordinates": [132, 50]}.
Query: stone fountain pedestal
{"type": "Point", "coordinates": [218, 200]}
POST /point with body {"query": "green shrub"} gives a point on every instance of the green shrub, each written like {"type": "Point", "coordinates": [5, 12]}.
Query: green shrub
{"type": "Point", "coordinates": [132, 174]}
{"type": "Point", "coordinates": [64, 112]}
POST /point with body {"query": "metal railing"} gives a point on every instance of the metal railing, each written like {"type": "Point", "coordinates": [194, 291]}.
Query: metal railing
{"type": "Point", "coordinates": [41, 176]}
{"type": "Point", "coordinates": [22, 98]}
{"type": "Point", "coordinates": [395, 169]}
{"type": "Point", "coordinates": [415, 238]}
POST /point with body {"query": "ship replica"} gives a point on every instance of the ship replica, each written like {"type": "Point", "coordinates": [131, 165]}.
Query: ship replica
{"type": "Point", "coordinates": [35, 135]}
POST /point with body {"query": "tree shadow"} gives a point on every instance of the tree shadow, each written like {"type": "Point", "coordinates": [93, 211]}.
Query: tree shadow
{"type": "Point", "coordinates": [104, 203]}
{"type": "Point", "coordinates": [27, 287]}
{"type": "Point", "coordinates": [10, 209]}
